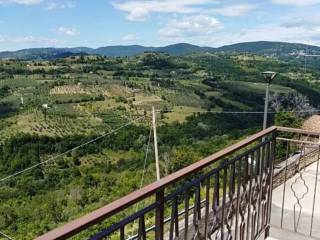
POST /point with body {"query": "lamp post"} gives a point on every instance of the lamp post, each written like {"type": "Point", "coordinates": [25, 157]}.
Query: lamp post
{"type": "Point", "coordinates": [268, 76]}
{"type": "Point", "coordinates": [45, 108]}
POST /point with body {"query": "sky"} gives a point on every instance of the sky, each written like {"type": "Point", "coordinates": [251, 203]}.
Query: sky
{"type": "Point", "coordinates": [97, 23]}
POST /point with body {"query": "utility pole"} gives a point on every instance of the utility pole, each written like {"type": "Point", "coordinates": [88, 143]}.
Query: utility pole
{"type": "Point", "coordinates": [266, 101]}
{"type": "Point", "coordinates": [155, 143]}
{"type": "Point", "coordinates": [268, 76]}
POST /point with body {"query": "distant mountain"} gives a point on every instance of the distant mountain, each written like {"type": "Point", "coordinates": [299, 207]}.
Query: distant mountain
{"type": "Point", "coordinates": [263, 47]}
{"type": "Point", "coordinates": [43, 53]}
{"type": "Point", "coordinates": [183, 48]}
{"type": "Point", "coordinates": [174, 49]}
{"type": "Point", "coordinates": [111, 51]}
{"type": "Point", "coordinates": [272, 48]}
{"type": "Point", "coordinates": [121, 51]}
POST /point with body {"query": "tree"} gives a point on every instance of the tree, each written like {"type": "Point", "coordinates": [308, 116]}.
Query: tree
{"type": "Point", "coordinates": [295, 102]}
{"type": "Point", "coordinates": [7, 216]}
{"type": "Point", "coordinates": [287, 119]}
{"type": "Point", "coordinates": [55, 210]}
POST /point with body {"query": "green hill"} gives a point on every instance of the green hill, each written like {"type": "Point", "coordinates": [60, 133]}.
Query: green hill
{"type": "Point", "coordinates": [279, 49]}
{"type": "Point", "coordinates": [271, 48]}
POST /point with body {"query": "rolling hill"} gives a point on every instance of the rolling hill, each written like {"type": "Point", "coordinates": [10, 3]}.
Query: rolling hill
{"type": "Point", "coordinates": [271, 48]}
{"type": "Point", "coordinates": [263, 47]}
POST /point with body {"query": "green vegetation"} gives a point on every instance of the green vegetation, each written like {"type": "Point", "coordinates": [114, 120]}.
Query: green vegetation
{"type": "Point", "coordinates": [89, 95]}
{"type": "Point", "coordinates": [283, 50]}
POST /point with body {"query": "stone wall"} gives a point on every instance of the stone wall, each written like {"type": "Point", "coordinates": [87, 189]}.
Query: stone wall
{"type": "Point", "coordinates": [280, 175]}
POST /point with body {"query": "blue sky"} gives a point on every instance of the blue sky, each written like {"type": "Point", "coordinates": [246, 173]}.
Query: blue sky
{"type": "Point", "coordinates": [95, 23]}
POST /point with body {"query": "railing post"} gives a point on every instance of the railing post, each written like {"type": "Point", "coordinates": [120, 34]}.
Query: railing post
{"type": "Point", "coordinates": [160, 214]}
{"type": "Point", "coordinates": [272, 157]}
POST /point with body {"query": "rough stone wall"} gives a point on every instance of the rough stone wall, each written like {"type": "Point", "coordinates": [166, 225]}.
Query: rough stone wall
{"type": "Point", "coordinates": [294, 167]}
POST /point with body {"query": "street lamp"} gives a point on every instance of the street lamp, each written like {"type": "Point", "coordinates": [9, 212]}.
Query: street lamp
{"type": "Point", "coordinates": [268, 77]}
{"type": "Point", "coordinates": [45, 108]}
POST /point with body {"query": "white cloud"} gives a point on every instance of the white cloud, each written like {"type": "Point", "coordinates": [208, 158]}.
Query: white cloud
{"type": "Point", "coordinates": [27, 40]}
{"type": "Point", "coordinates": [138, 14]}
{"type": "Point", "coordinates": [308, 20]}
{"type": "Point", "coordinates": [50, 5]}
{"type": "Point", "coordinates": [234, 10]}
{"type": "Point", "coordinates": [21, 2]}
{"type": "Point", "coordinates": [200, 30]}
{"type": "Point", "coordinates": [68, 31]}
{"type": "Point", "coordinates": [271, 33]}
{"type": "Point", "coordinates": [60, 5]}
{"type": "Point", "coordinates": [129, 37]}
{"type": "Point", "coordinates": [139, 10]}
{"type": "Point", "coordinates": [190, 27]}
{"type": "Point", "coordinates": [297, 2]}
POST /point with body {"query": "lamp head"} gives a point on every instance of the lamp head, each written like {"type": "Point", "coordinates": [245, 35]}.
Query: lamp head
{"type": "Point", "coordinates": [269, 76]}
{"type": "Point", "coordinates": [45, 106]}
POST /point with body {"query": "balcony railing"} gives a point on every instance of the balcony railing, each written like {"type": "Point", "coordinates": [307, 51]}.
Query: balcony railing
{"type": "Point", "coordinates": [227, 195]}
{"type": "Point", "coordinates": [296, 206]}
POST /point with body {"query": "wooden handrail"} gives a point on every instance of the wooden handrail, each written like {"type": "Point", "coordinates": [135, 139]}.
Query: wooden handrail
{"type": "Point", "coordinates": [115, 207]}
{"type": "Point", "coordinates": [297, 130]}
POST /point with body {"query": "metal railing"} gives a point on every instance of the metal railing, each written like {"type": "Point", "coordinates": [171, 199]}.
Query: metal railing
{"type": "Point", "coordinates": [296, 183]}
{"type": "Point", "coordinates": [227, 195]}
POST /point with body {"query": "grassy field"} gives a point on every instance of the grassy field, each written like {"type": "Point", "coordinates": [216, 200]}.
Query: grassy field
{"type": "Point", "coordinates": [259, 87]}
{"type": "Point", "coordinates": [179, 113]}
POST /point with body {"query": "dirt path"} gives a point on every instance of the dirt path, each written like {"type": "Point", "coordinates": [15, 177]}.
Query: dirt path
{"type": "Point", "coordinates": [312, 124]}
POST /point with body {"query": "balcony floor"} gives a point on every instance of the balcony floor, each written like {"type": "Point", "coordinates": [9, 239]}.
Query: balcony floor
{"type": "Point", "coordinates": [281, 234]}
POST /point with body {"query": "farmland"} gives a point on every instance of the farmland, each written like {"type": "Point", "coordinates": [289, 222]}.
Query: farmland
{"type": "Point", "coordinates": [49, 107]}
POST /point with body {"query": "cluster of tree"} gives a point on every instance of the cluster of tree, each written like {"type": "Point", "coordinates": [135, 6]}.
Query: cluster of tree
{"type": "Point", "coordinates": [306, 89]}
{"type": "Point", "coordinates": [6, 108]}
{"type": "Point", "coordinates": [4, 91]}
{"type": "Point", "coordinates": [86, 98]}
{"type": "Point", "coordinates": [162, 82]}
{"type": "Point", "coordinates": [254, 99]}
{"type": "Point", "coordinates": [293, 101]}
{"type": "Point", "coordinates": [4, 75]}
{"type": "Point", "coordinates": [129, 73]}
{"type": "Point", "coordinates": [156, 61]}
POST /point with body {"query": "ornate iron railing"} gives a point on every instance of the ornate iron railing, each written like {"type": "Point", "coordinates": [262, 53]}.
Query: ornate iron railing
{"type": "Point", "coordinates": [227, 195]}
{"type": "Point", "coordinates": [296, 183]}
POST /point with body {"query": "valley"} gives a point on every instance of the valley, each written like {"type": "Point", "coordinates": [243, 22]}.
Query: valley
{"type": "Point", "coordinates": [49, 106]}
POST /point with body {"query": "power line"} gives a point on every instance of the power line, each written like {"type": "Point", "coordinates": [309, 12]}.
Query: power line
{"type": "Point", "coordinates": [129, 123]}
{"type": "Point", "coordinates": [6, 236]}
{"type": "Point", "coordinates": [145, 159]}
{"type": "Point", "coordinates": [70, 150]}
{"type": "Point", "coordinates": [144, 169]}
{"type": "Point", "coordinates": [242, 112]}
